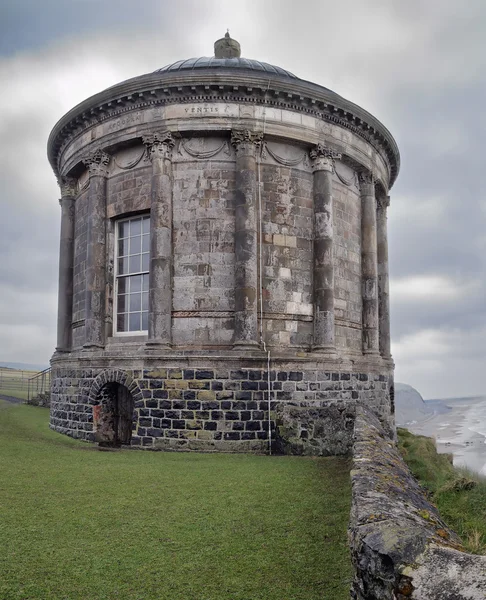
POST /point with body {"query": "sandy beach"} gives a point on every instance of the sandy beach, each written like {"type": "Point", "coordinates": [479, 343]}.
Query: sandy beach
{"type": "Point", "coordinates": [460, 431]}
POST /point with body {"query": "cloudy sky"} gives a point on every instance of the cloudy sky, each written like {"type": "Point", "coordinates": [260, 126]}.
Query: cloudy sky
{"type": "Point", "coordinates": [419, 66]}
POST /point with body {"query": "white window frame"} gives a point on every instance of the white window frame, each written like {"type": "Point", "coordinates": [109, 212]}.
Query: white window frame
{"type": "Point", "coordinates": [117, 277]}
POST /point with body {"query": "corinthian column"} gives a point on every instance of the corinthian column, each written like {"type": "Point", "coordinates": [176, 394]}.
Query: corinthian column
{"type": "Point", "coordinates": [66, 264]}
{"type": "Point", "coordinates": [323, 167]}
{"type": "Point", "coordinates": [247, 144]}
{"type": "Point", "coordinates": [369, 265]}
{"type": "Point", "coordinates": [97, 165]}
{"type": "Point", "coordinates": [159, 146]}
{"type": "Point", "coordinates": [383, 202]}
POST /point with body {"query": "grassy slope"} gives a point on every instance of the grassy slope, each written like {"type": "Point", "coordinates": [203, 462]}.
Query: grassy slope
{"type": "Point", "coordinates": [463, 509]}
{"type": "Point", "coordinates": [78, 523]}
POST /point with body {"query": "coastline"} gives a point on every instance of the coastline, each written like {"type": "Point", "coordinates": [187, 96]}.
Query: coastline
{"type": "Point", "coordinates": [460, 431]}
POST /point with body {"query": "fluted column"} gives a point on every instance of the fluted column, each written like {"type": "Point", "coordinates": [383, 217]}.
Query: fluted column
{"type": "Point", "coordinates": [159, 146]}
{"type": "Point", "coordinates": [247, 144]}
{"type": "Point", "coordinates": [383, 202]}
{"type": "Point", "coordinates": [97, 165]}
{"type": "Point", "coordinates": [369, 264]}
{"type": "Point", "coordinates": [323, 167]}
{"type": "Point", "coordinates": [68, 187]}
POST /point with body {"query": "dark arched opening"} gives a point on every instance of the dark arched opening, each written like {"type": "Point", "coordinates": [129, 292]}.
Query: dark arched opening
{"type": "Point", "coordinates": [113, 415]}
{"type": "Point", "coordinates": [392, 399]}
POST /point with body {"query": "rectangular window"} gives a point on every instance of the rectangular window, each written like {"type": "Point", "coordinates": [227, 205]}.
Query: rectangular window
{"type": "Point", "coordinates": [132, 259]}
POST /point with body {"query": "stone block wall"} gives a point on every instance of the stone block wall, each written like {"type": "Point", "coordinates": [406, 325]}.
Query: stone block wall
{"type": "Point", "coordinates": [215, 407]}
{"type": "Point", "coordinates": [400, 547]}
{"type": "Point", "coordinates": [128, 191]}
{"type": "Point", "coordinates": [287, 253]}
{"type": "Point", "coordinates": [203, 252]}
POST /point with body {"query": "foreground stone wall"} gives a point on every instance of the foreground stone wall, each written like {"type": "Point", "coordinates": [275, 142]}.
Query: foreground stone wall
{"type": "Point", "coordinates": [216, 405]}
{"type": "Point", "coordinates": [400, 547]}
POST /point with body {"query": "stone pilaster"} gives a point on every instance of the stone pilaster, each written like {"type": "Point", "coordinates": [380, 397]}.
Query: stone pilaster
{"type": "Point", "coordinates": [369, 264]}
{"type": "Point", "coordinates": [97, 165]}
{"type": "Point", "coordinates": [247, 145]}
{"type": "Point", "coordinates": [68, 187]}
{"type": "Point", "coordinates": [159, 147]}
{"type": "Point", "coordinates": [323, 167]}
{"type": "Point", "coordinates": [383, 202]}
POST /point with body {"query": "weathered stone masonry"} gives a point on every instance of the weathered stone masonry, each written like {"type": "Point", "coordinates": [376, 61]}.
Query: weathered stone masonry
{"type": "Point", "coordinates": [267, 201]}
{"type": "Point", "coordinates": [199, 408]}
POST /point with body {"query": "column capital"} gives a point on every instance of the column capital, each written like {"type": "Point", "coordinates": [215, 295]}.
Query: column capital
{"type": "Point", "coordinates": [159, 144]}
{"type": "Point", "coordinates": [323, 158]}
{"type": "Point", "coordinates": [246, 141]}
{"type": "Point", "coordinates": [97, 163]}
{"type": "Point", "coordinates": [366, 177]}
{"type": "Point", "coordinates": [382, 202]}
{"type": "Point", "coordinates": [68, 186]}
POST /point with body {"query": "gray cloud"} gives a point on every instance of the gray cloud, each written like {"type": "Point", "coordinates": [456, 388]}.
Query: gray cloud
{"type": "Point", "coordinates": [418, 66]}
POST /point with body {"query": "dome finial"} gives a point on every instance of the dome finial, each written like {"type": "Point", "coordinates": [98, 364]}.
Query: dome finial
{"type": "Point", "coordinates": [227, 47]}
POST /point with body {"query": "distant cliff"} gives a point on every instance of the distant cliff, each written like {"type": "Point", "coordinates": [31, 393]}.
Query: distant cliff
{"type": "Point", "coordinates": [409, 405]}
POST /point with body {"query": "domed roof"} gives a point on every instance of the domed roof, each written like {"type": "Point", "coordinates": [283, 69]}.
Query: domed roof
{"type": "Point", "coordinates": [212, 62]}
{"type": "Point", "coordinates": [225, 75]}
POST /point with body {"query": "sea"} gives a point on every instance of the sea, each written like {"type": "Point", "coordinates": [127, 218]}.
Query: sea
{"type": "Point", "coordinates": [458, 426]}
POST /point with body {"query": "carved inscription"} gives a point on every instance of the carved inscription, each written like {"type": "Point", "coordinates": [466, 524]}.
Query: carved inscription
{"type": "Point", "coordinates": [201, 110]}
{"type": "Point", "coordinates": [125, 121]}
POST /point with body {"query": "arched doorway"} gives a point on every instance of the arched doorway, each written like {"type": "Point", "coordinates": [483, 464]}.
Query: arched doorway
{"type": "Point", "coordinates": [113, 415]}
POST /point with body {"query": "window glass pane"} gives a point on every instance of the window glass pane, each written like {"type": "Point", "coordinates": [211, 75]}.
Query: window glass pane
{"type": "Point", "coordinates": [132, 256]}
{"type": "Point", "coordinates": [136, 283]}
{"type": "Point", "coordinates": [122, 303]}
{"type": "Point", "coordinates": [134, 322]}
{"type": "Point", "coordinates": [145, 243]}
{"type": "Point", "coordinates": [123, 229]}
{"type": "Point", "coordinates": [123, 285]}
{"type": "Point", "coordinates": [136, 244]}
{"type": "Point", "coordinates": [122, 322]}
{"type": "Point", "coordinates": [135, 263]}
{"type": "Point", "coordinates": [135, 302]}
{"type": "Point", "coordinates": [135, 227]}
{"type": "Point", "coordinates": [122, 266]}
{"type": "Point", "coordinates": [122, 247]}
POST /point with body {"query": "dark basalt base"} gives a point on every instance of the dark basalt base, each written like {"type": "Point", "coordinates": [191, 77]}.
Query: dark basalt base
{"type": "Point", "coordinates": [214, 409]}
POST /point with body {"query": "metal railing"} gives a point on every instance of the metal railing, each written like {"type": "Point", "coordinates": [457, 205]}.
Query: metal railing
{"type": "Point", "coordinates": [39, 384]}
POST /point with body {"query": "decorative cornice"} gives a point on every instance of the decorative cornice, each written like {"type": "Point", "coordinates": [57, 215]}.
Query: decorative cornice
{"type": "Point", "coordinates": [68, 185]}
{"type": "Point", "coordinates": [159, 144]}
{"type": "Point", "coordinates": [323, 158]}
{"type": "Point", "coordinates": [97, 163]}
{"type": "Point", "coordinates": [153, 91]}
{"type": "Point", "coordinates": [246, 141]}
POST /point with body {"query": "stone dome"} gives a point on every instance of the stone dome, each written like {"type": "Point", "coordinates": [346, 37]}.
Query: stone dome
{"type": "Point", "coordinates": [240, 63]}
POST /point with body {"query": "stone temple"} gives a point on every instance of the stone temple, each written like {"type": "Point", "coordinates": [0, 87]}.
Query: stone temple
{"type": "Point", "coordinates": [223, 277]}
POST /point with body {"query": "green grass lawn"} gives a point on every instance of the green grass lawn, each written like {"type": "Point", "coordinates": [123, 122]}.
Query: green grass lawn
{"type": "Point", "coordinates": [459, 495]}
{"type": "Point", "coordinates": [78, 523]}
